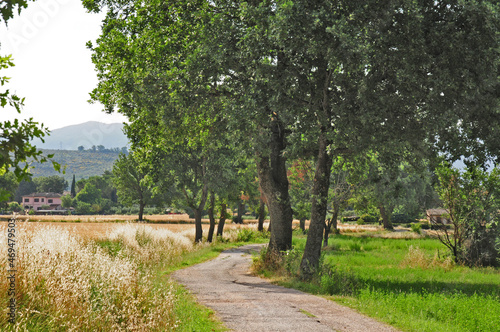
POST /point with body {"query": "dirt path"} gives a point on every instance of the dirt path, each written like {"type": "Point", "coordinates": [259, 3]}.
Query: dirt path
{"type": "Point", "coordinates": [248, 303]}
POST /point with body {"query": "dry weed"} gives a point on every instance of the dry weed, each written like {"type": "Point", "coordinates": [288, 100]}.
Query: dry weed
{"type": "Point", "coordinates": [64, 283]}
{"type": "Point", "coordinates": [416, 258]}
{"type": "Point", "coordinates": [149, 246]}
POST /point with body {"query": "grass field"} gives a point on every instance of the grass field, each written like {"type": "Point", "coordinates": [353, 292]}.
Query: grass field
{"type": "Point", "coordinates": [106, 276]}
{"type": "Point", "coordinates": [409, 283]}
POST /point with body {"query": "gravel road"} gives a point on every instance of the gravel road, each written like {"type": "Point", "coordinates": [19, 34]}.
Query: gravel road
{"type": "Point", "coordinates": [248, 303]}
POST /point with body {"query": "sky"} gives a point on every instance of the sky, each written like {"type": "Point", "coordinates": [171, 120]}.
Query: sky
{"type": "Point", "coordinates": [53, 68]}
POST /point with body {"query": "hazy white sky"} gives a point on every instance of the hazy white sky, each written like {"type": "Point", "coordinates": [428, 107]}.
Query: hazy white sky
{"type": "Point", "coordinates": [53, 69]}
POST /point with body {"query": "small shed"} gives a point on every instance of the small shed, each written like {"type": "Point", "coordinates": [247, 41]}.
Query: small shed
{"type": "Point", "coordinates": [438, 216]}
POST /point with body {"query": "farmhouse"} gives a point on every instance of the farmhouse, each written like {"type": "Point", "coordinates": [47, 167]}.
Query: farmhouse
{"type": "Point", "coordinates": [42, 201]}
{"type": "Point", "coordinates": [438, 216]}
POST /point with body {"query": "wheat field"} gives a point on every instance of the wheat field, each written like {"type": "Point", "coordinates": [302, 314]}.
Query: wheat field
{"type": "Point", "coordinates": [67, 279]}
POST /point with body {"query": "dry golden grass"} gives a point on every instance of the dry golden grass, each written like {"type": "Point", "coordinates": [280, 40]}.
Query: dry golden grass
{"type": "Point", "coordinates": [97, 230]}
{"type": "Point", "coordinates": [416, 258]}
{"type": "Point", "coordinates": [65, 282]}
{"type": "Point", "coordinates": [94, 276]}
{"type": "Point", "coordinates": [102, 218]}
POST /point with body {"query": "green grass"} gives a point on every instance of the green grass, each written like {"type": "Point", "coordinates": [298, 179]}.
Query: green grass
{"type": "Point", "coordinates": [193, 317]}
{"type": "Point", "coordinates": [408, 283]}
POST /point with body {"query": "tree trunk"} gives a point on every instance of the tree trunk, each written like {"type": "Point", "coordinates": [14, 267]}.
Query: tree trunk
{"type": "Point", "coordinates": [302, 223]}
{"type": "Point", "coordinates": [262, 215]}
{"type": "Point", "coordinates": [332, 223]}
{"type": "Point", "coordinates": [386, 217]}
{"type": "Point", "coordinates": [222, 219]}
{"type": "Point", "coordinates": [312, 251]}
{"type": "Point", "coordinates": [141, 210]}
{"type": "Point", "coordinates": [274, 183]}
{"type": "Point", "coordinates": [198, 211]}
{"type": "Point", "coordinates": [211, 217]}
{"type": "Point", "coordinates": [198, 225]}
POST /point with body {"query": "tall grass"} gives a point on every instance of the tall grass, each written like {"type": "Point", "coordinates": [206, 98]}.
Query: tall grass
{"type": "Point", "coordinates": [63, 284]}
{"type": "Point", "coordinates": [116, 282]}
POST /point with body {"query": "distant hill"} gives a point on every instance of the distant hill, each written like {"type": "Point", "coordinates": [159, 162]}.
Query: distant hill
{"type": "Point", "coordinates": [81, 163]}
{"type": "Point", "coordinates": [85, 134]}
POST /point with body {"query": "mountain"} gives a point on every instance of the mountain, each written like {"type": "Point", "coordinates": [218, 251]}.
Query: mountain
{"type": "Point", "coordinates": [81, 163]}
{"type": "Point", "coordinates": [85, 134]}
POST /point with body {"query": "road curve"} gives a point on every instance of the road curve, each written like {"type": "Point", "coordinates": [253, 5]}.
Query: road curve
{"type": "Point", "coordinates": [251, 304]}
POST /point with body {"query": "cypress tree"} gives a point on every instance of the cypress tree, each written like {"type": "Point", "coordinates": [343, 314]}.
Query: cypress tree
{"type": "Point", "coordinates": [73, 187]}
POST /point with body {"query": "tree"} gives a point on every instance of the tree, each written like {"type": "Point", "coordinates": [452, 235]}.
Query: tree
{"type": "Point", "coordinates": [54, 184]}
{"type": "Point", "coordinates": [350, 77]}
{"type": "Point", "coordinates": [8, 187]}
{"type": "Point", "coordinates": [25, 187]}
{"type": "Point", "coordinates": [301, 181]}
{"type": "Point", "coordinates": [177, 68]}
{"type": "Point", "coordinates": [472, 198]}
{"type": "Point", "coordinates": [341, 190]}
{"type": "Point", "coordinates": [393, 78]}
{"type": "Point", "coordinates": [130, 183]}
{"type": "Point", "coordinates": [66, 201]}
{"type": "Point", "coordinates": [73, 187]}
{"type": "Point", "coordinates": [89, 194]}
{"type": "Point", "coordinates": [9, 7]}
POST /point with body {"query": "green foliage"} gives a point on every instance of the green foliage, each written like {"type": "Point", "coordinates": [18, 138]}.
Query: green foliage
{"type": "Point", "coordinates": [54, 184]}
{"type": "Point", "coordinates": [367, 219]}
{"type": "Point", "coordinates": [417, 228]}
{"type": "Point", "coordinates": [66, 201]}
{"type": "Point", "coordinates": [83, 208]}
{"type": "Point", "coordinates": [472, 198]}
{"type": "Point", "coordinates": [300, 176]}
{"type": "Point", "coordinates": [131, 182]}
{"type": "Point", "coordinates": [8, 187]}
{"type": "Point", "coordinates": [9, 7]}
{"type": "Point", "coordinates": [335, 280]}
{"type": "Point", "coordinates": [73, 186]}
{"type": "Point", "coordinates": [247, 235]}
{"type": "Point", "coordinates": [89, 194]}
{"type": "Point", "coordinates": [15, 207]}
{"type": "Point", "coordinates": [25, 187]}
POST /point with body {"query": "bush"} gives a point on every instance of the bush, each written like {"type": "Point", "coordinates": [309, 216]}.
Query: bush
{"type": "Point", "coordinates": [237, 220]}
{"type": "Point", "coordinates": [337, 281]}
{"type": "Point", "coordinates": [416, 228]}
{"type": "Point", "coordinates": [83, 208]}
{"type": "Point", "coordinates": [473, 199]}
{"type": "Point", "coordinates": [15, 207]}
{"type": "Point", "coordinates": [367, 219]}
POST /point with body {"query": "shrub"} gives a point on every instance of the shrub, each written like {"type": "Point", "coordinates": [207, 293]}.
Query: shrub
{"type": "Point", "coordinates": [416, 228]}
{"type": "Point", "coordinates": [367, 219]}
{"type": "Point", "coordinates": [246, 235]}
{"type": "Point", "coordinates": [237, 220]}
{"type": "Point", "coordinates": [472, 198]}
{"type": "Point", "coordinates": [83, 208]}
{"type": "Point", "coordinates": [338, 281]}
{"type": "Point", "coordinates": [15, 207]}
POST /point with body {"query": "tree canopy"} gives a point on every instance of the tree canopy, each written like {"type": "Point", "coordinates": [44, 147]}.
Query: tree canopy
{"type": "Point", "coordinates": [337, 78]}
